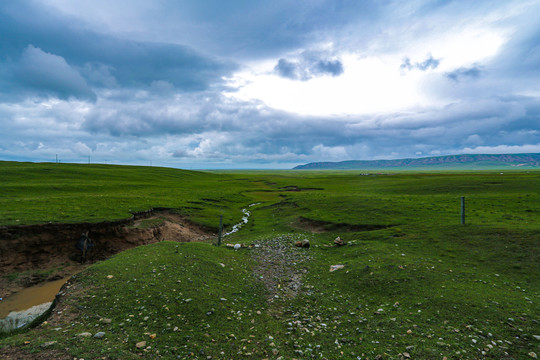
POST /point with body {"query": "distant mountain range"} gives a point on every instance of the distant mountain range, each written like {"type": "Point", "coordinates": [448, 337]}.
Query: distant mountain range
{"type": "Point", "coordinates": [450, 162]}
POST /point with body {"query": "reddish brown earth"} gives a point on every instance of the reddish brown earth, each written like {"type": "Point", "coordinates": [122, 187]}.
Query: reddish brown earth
{"type": "Point", "coordinates": [36, 253]}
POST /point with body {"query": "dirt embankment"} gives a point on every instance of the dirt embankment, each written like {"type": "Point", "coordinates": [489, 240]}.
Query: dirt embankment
{"type": "Point", "coordinates": [30, 254]}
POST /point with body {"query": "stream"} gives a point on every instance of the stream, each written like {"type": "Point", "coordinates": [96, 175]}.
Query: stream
{"type": "Point", "coordinates": [244, 221]}
{"type": "Point", "coordinates": [22, 307]}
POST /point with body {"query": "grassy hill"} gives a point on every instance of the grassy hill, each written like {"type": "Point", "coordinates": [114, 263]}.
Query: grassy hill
{"type": "Point", "coordinates": [415, 283]}
{"type": "Point", "coordinates": [68, 193]}
{"type": "Point", "coordinates": [450, 162]}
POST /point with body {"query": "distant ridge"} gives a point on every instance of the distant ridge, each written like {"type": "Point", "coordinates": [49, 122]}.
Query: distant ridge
{"type": "Point", "coordinates": [465, 162]}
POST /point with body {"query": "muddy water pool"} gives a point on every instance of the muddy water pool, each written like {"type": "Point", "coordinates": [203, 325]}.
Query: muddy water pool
{"type": "Point", "coordinates": [32, 296]}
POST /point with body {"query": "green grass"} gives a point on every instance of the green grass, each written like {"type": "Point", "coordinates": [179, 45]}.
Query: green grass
{"type": "Point", "coordinates": [423, 284]}
{"type": "Point", "coordinates": [69, 193]}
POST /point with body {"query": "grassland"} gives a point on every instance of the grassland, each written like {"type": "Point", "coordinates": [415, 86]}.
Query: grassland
{"type": "Point", "coordinates": [416, 284]}
{"type": "Point", "coordinates": [69, 193]}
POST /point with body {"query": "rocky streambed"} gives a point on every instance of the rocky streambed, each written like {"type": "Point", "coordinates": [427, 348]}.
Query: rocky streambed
{"type": "Point", "coordinates": [280, 266]}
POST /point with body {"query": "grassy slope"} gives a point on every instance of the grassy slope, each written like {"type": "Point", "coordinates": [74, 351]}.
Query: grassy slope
{"type": "Point", "coordinates": [38, 193]}
{"type": "Point", "coordinates": [426, 286]}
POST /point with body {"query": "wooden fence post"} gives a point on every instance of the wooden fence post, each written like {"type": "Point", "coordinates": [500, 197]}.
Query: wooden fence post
{"type": "Point", "coordinates": [463, 210]}
{"type": "Point", "coordinates": [220, 232]}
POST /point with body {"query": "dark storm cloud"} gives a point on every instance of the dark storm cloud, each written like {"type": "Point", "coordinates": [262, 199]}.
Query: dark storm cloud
{"type": "Point", "coordinates": [128, 85]}
{"type": "Point", "coordinates": [45, 73]}
{"type": "Point", "coordinates": [35, 40]}
{"type": "Point", "coordinates": [287, 69]}
{"type": "Point", "coordinates": [429, 63]}
{"type": "Point", "coordinates": [308, 66]}
{"type": "Point", "coordinates": [250, 133]}
{"type": "Point", "coordinates": [521, 57]}
{"type": "Point", "coordinates": [204, 129]}
{"type": "Point", "coordinates": [461, 73]}
{"type": "Point", "coordinates": [159, 115]}
{"type": "Point", "coordinates": [255, 29]}
{"type": "Point", "coordinates": [331, 67]}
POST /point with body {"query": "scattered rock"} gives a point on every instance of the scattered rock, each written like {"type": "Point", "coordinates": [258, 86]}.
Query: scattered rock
{"type": "Point", "coordinates": [533, 355]}
{"type": "Point", "coordinates": [279, 266]}
{"type": "Point", "coordinates": [140, 344]}
{"type": "Point", "coordinates": [237, 246]}
{"type": "Point", "coordinates": [84, 334]}
{"type": "Point", "coordinates": [304, 243]}
{"type": "Point", "coordinates": [110, 276]}
{"type": "Point", "coordinates": [336, 267]}
{"type": "Point", "coordinates": [99, 335]}
{"type": "Point", "coordinates": [48, 344]}
{"type": "Point", "coordinates": [106, 321]}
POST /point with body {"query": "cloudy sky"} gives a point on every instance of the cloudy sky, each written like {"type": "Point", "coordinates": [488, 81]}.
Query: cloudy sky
{"type": "Point", "coordinates": [266, 84]}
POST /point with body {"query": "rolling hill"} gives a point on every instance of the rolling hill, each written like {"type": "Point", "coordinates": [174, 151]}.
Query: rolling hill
{"type": "Point", "coordinates": [457, 162]}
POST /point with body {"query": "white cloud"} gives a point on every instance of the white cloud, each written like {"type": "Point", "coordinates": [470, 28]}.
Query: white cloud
{"type": "Point", "coordinates": [126, 87]}
{"type": "Point", "coordinates": [81, 149]}
{"type": "Point", "coordinates": [502, 149]}
{"type": "Point", "coordinates": [368, 85]}
{"type": "Point", "coordinates": [330, 152]}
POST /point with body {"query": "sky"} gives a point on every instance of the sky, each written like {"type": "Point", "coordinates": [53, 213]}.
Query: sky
{"type": "Point", "coordinates": [266, 84]}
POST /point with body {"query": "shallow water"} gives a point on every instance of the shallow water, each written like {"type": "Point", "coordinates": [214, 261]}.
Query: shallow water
{"type": "Point", "coordinates": [237, 227]}
{"type": "Point", "coordinates": [32, 296]}
{"type": "Point", "coordinates": [17, 319]}
{"type": "Point", "coordinates": [244, 221]}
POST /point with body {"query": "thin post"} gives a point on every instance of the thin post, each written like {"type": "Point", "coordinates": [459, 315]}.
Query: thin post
{"type": "Point", "coordinates": [463, 210]}
{"type": "Point", "coordinates": [220, 232]}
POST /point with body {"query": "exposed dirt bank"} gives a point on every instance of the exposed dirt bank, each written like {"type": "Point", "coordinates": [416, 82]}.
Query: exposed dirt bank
{"type": "Point", "coordinates": [35, 253]}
